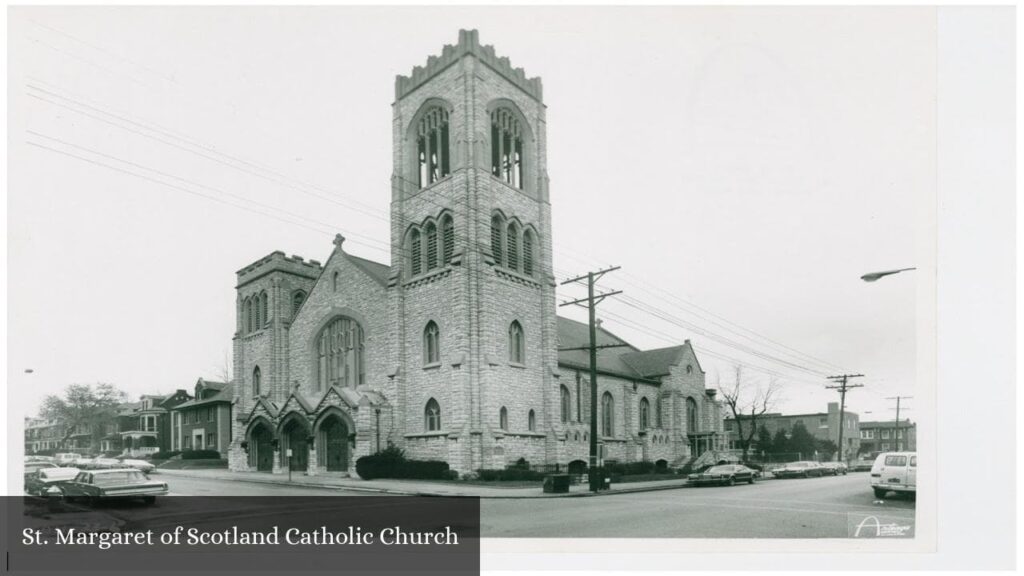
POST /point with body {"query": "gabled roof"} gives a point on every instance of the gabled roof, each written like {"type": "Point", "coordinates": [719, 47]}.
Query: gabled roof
{"type": "Point", "coordinates": [573, 334]}
{"type": "Point", "coordinates": [225, 394]}
{"type": "Point", "coordinates": [212, 384]}
{"type": "Point", "coordinates": [654, 363]}
{"type": "Point", "coordinates": [375, 270]}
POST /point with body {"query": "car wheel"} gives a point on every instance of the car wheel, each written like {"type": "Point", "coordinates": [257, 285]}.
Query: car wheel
{"type": "Point", "coordinates": [731, 481]}
{"type": "Point", "coordinates": [751, 481]}
{"type": "Point", "coordinates": [880, 492]}
{"type": "Point", "coordinates": [149, 500]}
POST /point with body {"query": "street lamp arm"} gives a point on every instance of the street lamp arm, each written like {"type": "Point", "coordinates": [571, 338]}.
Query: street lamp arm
{"type": "Point", "coordinates": [872, 276]}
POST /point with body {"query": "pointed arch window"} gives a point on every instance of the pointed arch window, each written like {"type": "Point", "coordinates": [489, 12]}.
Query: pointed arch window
{"type": "Point", "coordinates": [431, 233]}
{"type": "Point", "coordinates": [432, 416]}
{"type": "Point", "coordinates": [607, 414]}
{"type": "Point", "coordinates": [657, 412]}
{"type": "Point", "coordinates": [691, 415]}
{"type": "Point", "coordinates": [334, 282]}
{"type": "Point", "coordinates": [247, 315]}
{"type": "Point", "coordinates": [531, 421]}
{"type": "Point", "coordinates": [431, 344]}
{"type": "Point", "coordinates": [566, 405]}
{"type": "Point", "coordinates": [256, 381]}
{"type": "Point", "coordinates": [297, 299]}
{"type": "Point", "coordinates": [432, 155]}
{"type": "Point", "coordinates": [339, 351]}
{"type": "Point", "coordinates": [497, 224]}
{"type": "Point", "coordinates": [447, 239]}
{"type": "Point", "coordinates": [512, 244]}
{"type": "Point", "coordinates": [506, 147]}
{"type": "Point", "coordinates": [415, 252]}
{"type": "Point", "coordinates": [256, 320]}
{"type": "Point", "coordinates": [516, 346]}
{"type": "Point", "coordinates": [528, 252]}
{"type": "Point", "coordinates": [264, 307]}
{"type": "Point", "coordinates": [645, 414]}
{"type": "Point", "coordinates": [503, 418]}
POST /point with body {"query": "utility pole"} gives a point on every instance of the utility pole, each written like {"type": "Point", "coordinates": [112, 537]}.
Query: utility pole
{"type": "Point", "coordinates": [592, 300]}
{"type": "Point", "coordinates": [897, 399]}
{"type": "Point", "coordinates": [842, 401]}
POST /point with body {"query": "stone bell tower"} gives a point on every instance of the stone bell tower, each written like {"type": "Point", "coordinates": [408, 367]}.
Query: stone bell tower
{"type": "Point", "coordinates": [472, 282]}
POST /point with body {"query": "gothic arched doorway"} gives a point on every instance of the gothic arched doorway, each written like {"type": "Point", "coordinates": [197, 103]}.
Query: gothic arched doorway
{"type": "Point", "coordinates": [261, 447]}
{"type": "Point", "coordinates": [294, 437]}
{"type": "Point", "coordinates": [334, 442]}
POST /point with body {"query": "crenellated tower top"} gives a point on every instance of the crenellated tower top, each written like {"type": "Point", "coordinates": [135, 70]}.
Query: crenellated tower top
{"type": "Point", "coordinates": [469, 43]}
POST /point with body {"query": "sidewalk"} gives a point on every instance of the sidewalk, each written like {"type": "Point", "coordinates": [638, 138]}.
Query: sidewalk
{"type": "Point", "coordinates": [417, 487]}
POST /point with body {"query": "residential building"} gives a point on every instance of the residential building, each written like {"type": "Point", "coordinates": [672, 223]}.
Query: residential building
{"type": "Point", "coordinates": [889, 436]}
{"type": "Point", "coordinates": [145, 426]}
{"type": "Point", "coordinates": [821, 425]}
{"type": "Point", "coordinates": [204, 423]}
{"type": "Point", "coordinates": [452, 350]}
{"type": "Point", "coordinates": [42, 435]}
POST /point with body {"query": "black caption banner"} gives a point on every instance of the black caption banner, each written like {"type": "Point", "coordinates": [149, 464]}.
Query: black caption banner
{"type": "Point", "coordinates": [342, 534]}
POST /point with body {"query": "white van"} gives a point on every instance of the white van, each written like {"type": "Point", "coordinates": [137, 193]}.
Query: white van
{"type": "Point", "coordinates": [66, 458]}
{"type": "Point", "coordinates": [896, 472]}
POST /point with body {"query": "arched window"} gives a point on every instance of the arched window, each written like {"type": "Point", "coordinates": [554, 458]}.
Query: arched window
{"type": "Point", "coordinates": [516, 347]}
{"type": "Point", "coordinates": [415, 252]}
{"type": "Point", "coordinates": [497, 224]}
{"type": "Point", "coordinates": [691, 415]}
{"type": "Point", "coordinates": [334, 282]}
{"type": "Point", "coordinates": [432, 146]}
{"type": "Point", "coordinates": [531, 421]}
{"type": "Point", "coordinates": [431, 233]}
{"type": "Point", "coordinates": [528, 253]}
{"type": "Point", "coordinates": [297, 299]}
{"type": "Point", "coordinates": [247, 315]}
{"type": "Point", "coordinates": [689, 368]}
{"type": "Point", "coordinates": [506, 147]}
{"type": "Point", "coordinates": [512, 246]}
{"type": "Point", "coordinates": [264, 308]}
{"type": "Point", "coordinates": [607, 414]}
{"type": "Point", "coordinates": [340, 354]}
{"type": "Point", "coordinates": [256, 322]}
{"type": "Point", "coordinates": [566, 405]}
{"type": "Point", "coordinates": [503, 418]}
{"type": "Point", "coordinates": [645, 414]}
{"type": "Point", "coordinates": [432, 416]}
{"type": "Point", "coordinates": [256, 381]}
{"type": "Point", "coordinates": [657, 412]}
{"type": "Point", "coordinates": [448, 239]}
{"type": "Point", "coordinates": [431, 344]}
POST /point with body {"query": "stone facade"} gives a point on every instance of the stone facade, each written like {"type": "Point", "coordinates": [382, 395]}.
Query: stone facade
{"type": "Point", "coordinates": [427, 352]}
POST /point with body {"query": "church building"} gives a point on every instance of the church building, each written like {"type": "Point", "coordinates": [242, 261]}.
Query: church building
{"type": "Point", "coordinates": [450, 350]}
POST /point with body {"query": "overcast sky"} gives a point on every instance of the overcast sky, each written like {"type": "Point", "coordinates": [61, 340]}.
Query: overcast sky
{"type": "Point", "coordinates": [743, 166]}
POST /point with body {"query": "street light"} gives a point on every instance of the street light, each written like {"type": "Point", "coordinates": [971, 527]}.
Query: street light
{"type": "Point", "coordinates": [872, 276]}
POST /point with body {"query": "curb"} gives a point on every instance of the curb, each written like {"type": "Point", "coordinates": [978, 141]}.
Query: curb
{"type": "Point", "coordinates": [399, 492]}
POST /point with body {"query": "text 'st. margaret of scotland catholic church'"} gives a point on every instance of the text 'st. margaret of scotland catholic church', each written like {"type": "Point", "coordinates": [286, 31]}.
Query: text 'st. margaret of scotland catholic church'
{"type": "Point", "coordinates": [450, 351]}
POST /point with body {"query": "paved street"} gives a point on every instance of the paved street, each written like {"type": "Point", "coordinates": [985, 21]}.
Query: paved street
{"type": "Point", "coordinates": [802, 508]}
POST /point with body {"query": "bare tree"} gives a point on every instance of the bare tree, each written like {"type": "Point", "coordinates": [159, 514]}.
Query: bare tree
{"type": "Point", "coordinates": [748, 401]}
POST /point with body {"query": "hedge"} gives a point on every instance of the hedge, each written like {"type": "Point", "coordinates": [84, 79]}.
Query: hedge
{"type": "Point", "coordinates": [392, 463]}
{"type": "Point", "coordinates": [511, 473]}
{"type": "Point", "coordinates": [165, 455]}
{"type": "Point", "coordinates": [200, 455]}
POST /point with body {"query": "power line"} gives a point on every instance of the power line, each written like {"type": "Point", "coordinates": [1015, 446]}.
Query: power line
{"type": "Point", "coordinates": [843, 388]}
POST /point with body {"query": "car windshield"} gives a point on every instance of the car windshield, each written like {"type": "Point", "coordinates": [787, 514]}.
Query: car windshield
{"type": "Point", "coordinates": [32, 467]}
{"type": "Point", "coordinates": [720, 470]}
{"type": "Point", "coordinates": [118, 478]}
{"type": "Point", "coordinates": [798, 465]}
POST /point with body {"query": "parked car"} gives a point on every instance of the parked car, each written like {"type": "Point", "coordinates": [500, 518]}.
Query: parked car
{"type": "Point", "coordinates": [37, 458]}
{"type": "Point", "coordinates": [82, 462]}
{"type": "Point", "coordinates": [66, 458]}
{"type": "Point", "coordinates": [723, 475]}
{"type": "Point", "coordinates": [39, 482]}
{"type": "Point", "coordinates": [894, 472]}
{"type": "Point", "coordinates": [119, 483]}
{"type": "Point", "coordinates": [32, 467]}
{"type": "Point", "coordinates": [863, 464]}
{"type": "Point", "coordinates": [101, 464]}
{"type": "Point", "coordinates": [144, 466]}
{"type": "Point", "coordinates": [804, 469]}
{"type": "Point", "coordinates": [834, 468]}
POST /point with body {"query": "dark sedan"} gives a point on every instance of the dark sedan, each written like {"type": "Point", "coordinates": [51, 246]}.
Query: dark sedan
{"type": "Point", "coordinates": [96, 485]}
{"type": "Point", "coordinates": [805, 469]}
{"type": "Point", "coordinates": [723, 475]}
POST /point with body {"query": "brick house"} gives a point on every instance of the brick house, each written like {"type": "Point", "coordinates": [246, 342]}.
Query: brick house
{"type": "Point", "coordinates": [145, 426]}
{"type": "Point", "coordinates": [821, 425]}
{"type": "Point", "coordinates": [878, 437]}
{"type": "Point", "coordinates": [204, 423]}
{"type": "Point", "coordinates": [451, 350]}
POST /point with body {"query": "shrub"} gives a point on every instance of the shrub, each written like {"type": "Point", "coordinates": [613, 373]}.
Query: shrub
{"type": "Point", "coordinates": [165, 455]}
{"type": "Point", "coordinates": [392, 463]}
{"type": "Point", "coordinates": [511, 473]}
{"type": "Point", "coordinates": [200, 455]}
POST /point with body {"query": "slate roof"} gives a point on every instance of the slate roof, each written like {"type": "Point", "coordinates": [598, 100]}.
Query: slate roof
{"type": "Point", "coordinates": [376, 270]}
{"type": "Point", "coordinates": [224, 395]}
{"type": "Point", "coordinates": [654, 363]}
{"type": "Point", "coordinates": [573, 334]}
